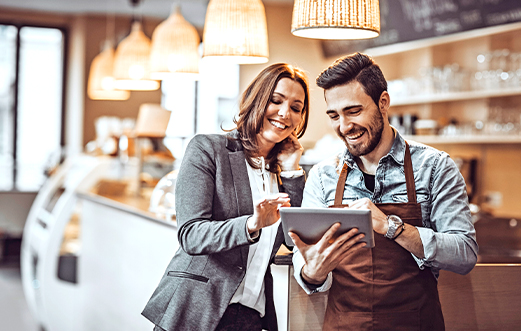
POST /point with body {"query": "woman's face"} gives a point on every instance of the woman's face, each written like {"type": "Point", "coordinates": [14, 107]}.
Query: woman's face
{"type": "Point", "coordinates": [283, 115]}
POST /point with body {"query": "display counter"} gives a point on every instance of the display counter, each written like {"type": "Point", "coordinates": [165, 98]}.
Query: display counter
{"type": "Point", "coordinates": [51, 243]}
{"type": "Point", "coordinates": [124, 252]}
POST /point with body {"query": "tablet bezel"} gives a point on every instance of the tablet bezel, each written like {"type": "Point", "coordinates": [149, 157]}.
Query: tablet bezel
{"type": "Point", "coordinates": [311, 223]}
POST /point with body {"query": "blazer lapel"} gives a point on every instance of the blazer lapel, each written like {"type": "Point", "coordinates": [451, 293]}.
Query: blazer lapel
{"type": "Point", "coordinates": [241, 183]}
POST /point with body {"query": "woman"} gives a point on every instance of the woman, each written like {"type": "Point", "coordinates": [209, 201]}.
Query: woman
{"type": "Point", "coordinates": [228, 192]}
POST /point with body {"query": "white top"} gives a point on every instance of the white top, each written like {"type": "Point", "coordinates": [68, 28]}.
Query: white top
{"type": "Point", "coordinates": [251, 290]}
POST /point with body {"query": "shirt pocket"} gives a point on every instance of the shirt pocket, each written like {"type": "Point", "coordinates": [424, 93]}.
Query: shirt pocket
{"type": "Point", "coordinates": [401, 197]}
{"type": "Point", "coordinates": [423, 198]}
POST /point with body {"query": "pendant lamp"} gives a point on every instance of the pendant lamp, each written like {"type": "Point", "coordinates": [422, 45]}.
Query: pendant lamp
{"type": "Point", "coordinates": [236, 30]}
{"type": "Point", "coordinates": [336, 19]}
{"type": "Point", "coordinates": [132, 62]}
{"type": "Point", "coordinates": [100, 85]}
{"type": "Point", "coordinates": [174, 49]}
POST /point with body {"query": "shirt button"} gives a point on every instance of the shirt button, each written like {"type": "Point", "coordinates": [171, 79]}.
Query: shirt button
{"type": "Point", "coordinates": [240, 268]}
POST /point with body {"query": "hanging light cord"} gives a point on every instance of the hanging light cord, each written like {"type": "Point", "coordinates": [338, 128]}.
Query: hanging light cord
{"type": "Point", "coordinates": [135, 4]}
{"type": "Point", "coordinates": [111, 24]}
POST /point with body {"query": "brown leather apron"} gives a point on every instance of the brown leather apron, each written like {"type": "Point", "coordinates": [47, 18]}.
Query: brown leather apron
{"type": "Point", "coordinates": [382, 288]}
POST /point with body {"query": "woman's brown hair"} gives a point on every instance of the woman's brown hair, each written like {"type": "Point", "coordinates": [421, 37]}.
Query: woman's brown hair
{"type": "Point", "coordinates": [254, 103]}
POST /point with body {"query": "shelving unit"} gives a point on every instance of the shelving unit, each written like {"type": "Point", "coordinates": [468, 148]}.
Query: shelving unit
{"type": "Point", "coordinates": [498, 156]}
{"type": "Point", "coordinates": [455, 96]}
{"type": "Point", "coordinates": [468, 139]}
{"type": "Point", "coordinates": [405, 59]}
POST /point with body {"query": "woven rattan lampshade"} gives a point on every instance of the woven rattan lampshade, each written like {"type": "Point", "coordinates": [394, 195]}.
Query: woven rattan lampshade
{"type": "Point", "coordinates": [101, 82]}
{"type": "Point", "coordinates": [132, 62]}
{"type": "Point", "coordinates": [336, 19]}
{"type": "Point", "coordinates": [174, 48]}
{"type": "Point", "coordinates": [236, 30]}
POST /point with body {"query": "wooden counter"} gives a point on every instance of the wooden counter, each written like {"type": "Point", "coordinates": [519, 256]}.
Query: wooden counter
{"type": "Point", "coordinates": [487, 299]}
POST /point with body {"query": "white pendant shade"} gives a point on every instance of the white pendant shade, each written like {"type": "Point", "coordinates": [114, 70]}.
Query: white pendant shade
{"type": "Point", "coordinates": [174, 48]}
{"type": "Point", "coordinates": [101, 82]}
{"type": "Point", "coordinates": [132, 62]}
{"type": "Point", "coordinates": [236, 30]}
{"type": "Point", "coordinates": [336, 19]}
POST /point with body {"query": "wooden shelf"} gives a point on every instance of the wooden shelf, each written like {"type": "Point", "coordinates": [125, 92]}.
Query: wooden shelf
{"type": "Point", "coordinates": [454, 96]}
{"type": "Point", "coordinates": [473, 139]}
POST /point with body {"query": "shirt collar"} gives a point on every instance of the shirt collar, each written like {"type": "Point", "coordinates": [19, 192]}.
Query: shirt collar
{"type": "Point", "coordinates": [397, 151]}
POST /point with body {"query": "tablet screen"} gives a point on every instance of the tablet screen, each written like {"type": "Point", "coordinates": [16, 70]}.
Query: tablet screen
{"type": "Point", "coordinates": [310, 224]}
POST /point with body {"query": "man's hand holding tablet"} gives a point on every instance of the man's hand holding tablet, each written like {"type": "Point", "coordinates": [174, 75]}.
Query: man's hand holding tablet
{"type": "Point", "coordinates": [327, 254]}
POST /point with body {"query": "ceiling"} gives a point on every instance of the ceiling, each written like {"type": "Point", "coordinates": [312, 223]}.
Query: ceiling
{"type": "Point", "coordinates": [193, 10]}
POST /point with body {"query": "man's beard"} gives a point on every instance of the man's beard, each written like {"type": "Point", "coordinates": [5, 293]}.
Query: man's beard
{"type": "Point", "coordinates": [375, 132]}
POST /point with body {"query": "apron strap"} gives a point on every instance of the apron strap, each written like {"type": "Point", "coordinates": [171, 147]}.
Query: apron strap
{"type": "Point", "coordinates": [409, 175]}
{"type": "Point", "coordinates": [340, 185]}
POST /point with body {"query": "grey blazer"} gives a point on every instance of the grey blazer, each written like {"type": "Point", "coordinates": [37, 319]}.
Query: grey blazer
{"type": "Point", "coordinates": [213, 202]}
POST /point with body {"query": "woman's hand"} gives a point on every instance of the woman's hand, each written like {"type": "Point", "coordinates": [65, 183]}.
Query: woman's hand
{"type": "Point", "coordinates": [266, 211]}
{"type": "Point", "coordinates": [289, 155]}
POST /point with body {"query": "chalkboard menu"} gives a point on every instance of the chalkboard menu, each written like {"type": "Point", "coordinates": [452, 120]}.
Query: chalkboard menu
{"type": "Point", "coordinates": [407, 20]}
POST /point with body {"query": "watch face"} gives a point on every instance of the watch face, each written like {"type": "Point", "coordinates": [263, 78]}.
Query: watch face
{"type": "Point", "coordinates": [396, 220]}
{"type": "Point", "coordinates": [394, 223]}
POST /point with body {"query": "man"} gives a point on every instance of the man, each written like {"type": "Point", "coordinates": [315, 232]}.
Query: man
{"type": "Point", "coordinates": [419, 208]}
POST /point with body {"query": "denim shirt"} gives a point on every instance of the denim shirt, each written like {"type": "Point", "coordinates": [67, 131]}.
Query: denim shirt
{"type": "Point", "coordinates": [448, 235]}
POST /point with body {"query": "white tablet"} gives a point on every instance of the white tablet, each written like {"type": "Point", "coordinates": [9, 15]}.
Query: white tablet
{"type": "Point", "coordinates": [310, 224]}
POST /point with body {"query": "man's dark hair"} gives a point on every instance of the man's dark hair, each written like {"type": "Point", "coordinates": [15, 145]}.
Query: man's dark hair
{"type": "Point", "coordinates": [356, 66]}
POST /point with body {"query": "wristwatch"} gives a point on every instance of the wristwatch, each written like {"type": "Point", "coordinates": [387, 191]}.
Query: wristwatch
{"type": "Point", "coordinates": [394, 223]}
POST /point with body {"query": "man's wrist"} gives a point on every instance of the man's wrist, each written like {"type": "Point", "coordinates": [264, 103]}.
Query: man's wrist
{"type": "Point", "coordinates": [310, 281]}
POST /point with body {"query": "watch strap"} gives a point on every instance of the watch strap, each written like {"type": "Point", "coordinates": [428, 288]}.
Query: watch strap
{"type": "Point", "coordinates": [399, 233]}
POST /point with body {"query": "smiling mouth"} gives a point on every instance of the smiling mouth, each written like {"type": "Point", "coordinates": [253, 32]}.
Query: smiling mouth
{"type": "Point", "coordinates": [278, 125]}
{"type": "Point", "coordinates": [355, 136]}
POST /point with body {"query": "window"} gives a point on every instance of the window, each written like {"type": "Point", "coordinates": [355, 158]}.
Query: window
{"type": "Point", "coordinates": [206, 106]}
{"type": "Point", "coordinates": [31, 104]}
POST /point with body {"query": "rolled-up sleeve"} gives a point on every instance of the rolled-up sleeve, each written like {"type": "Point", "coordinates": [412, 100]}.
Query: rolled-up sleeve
{"type": "Point", "coordinates": [451, 242]}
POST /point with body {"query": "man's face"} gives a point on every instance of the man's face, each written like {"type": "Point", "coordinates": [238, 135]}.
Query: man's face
{"type": "Point", "coordinates": [354, 117]}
